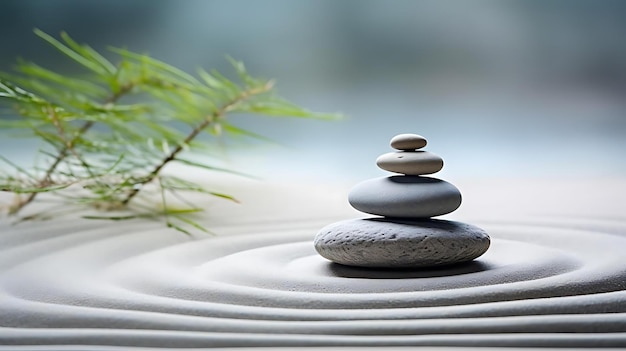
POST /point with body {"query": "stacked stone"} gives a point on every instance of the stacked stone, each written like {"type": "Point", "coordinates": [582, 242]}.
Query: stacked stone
{"type": "Point", "coordinates": [405, 235]}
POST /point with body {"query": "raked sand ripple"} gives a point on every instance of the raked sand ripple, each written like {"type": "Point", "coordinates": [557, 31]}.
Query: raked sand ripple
{"type": "Point", "coordinates": [89, 285]}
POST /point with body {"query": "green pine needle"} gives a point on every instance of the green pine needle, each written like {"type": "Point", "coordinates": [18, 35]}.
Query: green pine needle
{"type": "Point", "coordinates": [105, 151]}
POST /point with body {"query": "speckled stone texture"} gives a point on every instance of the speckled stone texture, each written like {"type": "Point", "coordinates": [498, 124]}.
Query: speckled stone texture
{"type": "Point", "coordinates": [410, 162]}
{"type": "Point", "coordinates": [405, 197]}
{"type": "Point", "coordinates": [384, 242]}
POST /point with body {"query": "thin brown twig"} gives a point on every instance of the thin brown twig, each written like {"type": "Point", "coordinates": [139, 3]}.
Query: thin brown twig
{"type": "Point", "coordinates": [68, 147]}
{"type": "Point", "coordinates": [68, 144]}
{"type": "Point", "coordinates": [193, 134]}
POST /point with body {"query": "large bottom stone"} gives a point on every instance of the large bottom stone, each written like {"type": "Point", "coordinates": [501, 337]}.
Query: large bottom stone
{"type": "Point", "coordinates": [388, 243]}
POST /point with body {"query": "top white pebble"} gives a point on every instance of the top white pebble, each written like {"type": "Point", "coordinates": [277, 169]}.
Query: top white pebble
{"type": "Point", "coordinates": [407, 142]}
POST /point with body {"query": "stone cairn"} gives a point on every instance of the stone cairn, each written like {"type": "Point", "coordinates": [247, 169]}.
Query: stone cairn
{"type": "Point", "coordinates": [405, 235]}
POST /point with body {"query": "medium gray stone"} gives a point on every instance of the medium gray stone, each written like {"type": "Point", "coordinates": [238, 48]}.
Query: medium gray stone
{"type": "Point", "coordinates": [388, 243]}
{"type": "Point", "coordinates": [408, 142]}
{"type": "Point", "coordinates": [405, 196]}
{"type": "Point", "coordinates": [410, 162]}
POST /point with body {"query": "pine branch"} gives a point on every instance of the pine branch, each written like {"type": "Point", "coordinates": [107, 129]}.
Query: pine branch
{"type": "Point", "coordinates": [67, 148]}
{"type": "Point", "coordinates": [194, 133]}
{"type": "Point", "coordinates": [102, 154]}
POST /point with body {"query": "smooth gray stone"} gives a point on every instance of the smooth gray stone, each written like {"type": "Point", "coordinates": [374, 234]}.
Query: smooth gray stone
{"type": "Point", "coordinates": [389, 243]}
{"type": "Point", "coordinates": [405, 196]}
{"type": "Point", "coordinates": [408, 142]}
{"type": "Point", "coordinates": [410, 162]}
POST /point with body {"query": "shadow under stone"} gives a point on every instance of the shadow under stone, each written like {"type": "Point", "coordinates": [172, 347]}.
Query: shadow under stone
{"type": "Point", "coordinates": [344, 271]}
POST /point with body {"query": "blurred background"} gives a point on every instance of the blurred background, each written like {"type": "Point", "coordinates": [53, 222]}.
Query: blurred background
{"type": "Point", "coordinates": [500, 88]}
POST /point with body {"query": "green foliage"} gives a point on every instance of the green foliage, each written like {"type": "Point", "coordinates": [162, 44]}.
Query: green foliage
{"type": "Point", "coordinates": [107, 135]}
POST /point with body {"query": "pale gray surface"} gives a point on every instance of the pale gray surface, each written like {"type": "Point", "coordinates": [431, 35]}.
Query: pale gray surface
{"type": "Point", "coordinates": [389, 243]}
{"type": "Point", "coordinates": [405, 196]}
{"type": "Point", "coordinates": [553, 277]}
{"type": "Point", "coordinates": [410, 162]}
{"type": "Point", "coordinates": [408, 141]}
